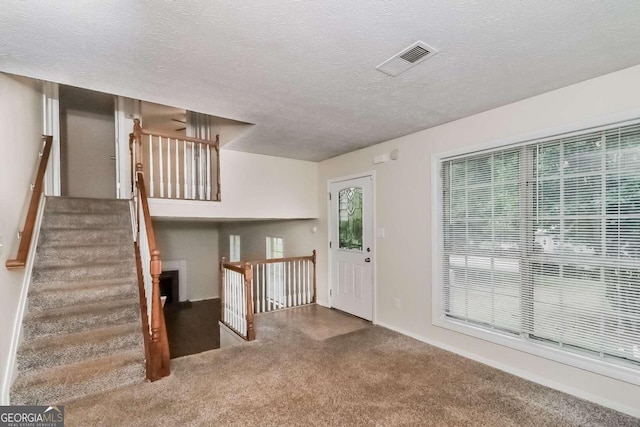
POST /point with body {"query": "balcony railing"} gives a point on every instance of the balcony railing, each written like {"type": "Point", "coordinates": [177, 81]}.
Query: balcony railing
{"type": "Point", "coordinates": [263, 286]}
{"type": "Point", "coordinates": [176, 167]}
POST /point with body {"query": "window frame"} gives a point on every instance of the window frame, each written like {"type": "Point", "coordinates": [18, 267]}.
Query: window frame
{"type": "Point", "coordinates": [614, 368]}
{"type": "Point", "coordinates": [235, 245]}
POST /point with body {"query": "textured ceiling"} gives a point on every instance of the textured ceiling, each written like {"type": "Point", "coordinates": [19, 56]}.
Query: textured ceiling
{"type": "Point", "coordinates": [304, 71]}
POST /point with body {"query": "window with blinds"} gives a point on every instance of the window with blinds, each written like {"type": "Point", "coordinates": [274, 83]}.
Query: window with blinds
{"type": "Point", "coordinates": [542, 242]}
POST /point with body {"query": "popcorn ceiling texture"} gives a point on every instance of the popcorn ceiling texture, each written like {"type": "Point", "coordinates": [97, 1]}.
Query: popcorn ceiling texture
{"type": "Point", "coordinates": [304, 71]}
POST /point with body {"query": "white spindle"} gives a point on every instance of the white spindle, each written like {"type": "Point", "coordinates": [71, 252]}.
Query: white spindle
{"type": "Point", "coordinates": [287, 282]}
{"type": "Point", "coordinates": [193, 170]}
{"type": "Point", "coordinates": [160, 166]}
{"type": "Point", "coordinates": [208, 172]}
{"type": "Point", "coordinates": [184, 169]}
{"type": "Point", "coordinates": [200, 174]}
{"type": "Point", "coordinates": [169, 167]}
{"type": "Point", "coordinates": [177, 170]}
{"type": "Point", "coordinates": [151, 180]}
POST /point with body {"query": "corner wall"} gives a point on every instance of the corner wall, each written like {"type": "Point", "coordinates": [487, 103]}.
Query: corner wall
{"type": "Point", "coordinates": [21, 124]}
{"type": "Point", "coordinates": [299, 237]}
{"type": "Point", "coordinates": [403, 208]}
{"type": "Point", "coordinates": [197, 244]}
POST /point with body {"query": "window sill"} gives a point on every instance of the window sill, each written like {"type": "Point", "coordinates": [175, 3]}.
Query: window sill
{"type": "Point", "coordinates": [621, 371]}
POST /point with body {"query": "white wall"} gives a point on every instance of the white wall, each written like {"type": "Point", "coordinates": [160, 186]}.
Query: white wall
{"type": "Point", "coordinates": [197, 244]}
{"type": "Point", "coordinates": [403, 192]}
{"type": "Point", "coordinates": [298, 235]}
{"type": "Point", "coordinates": [20, 139]}
{"type": "Point", "coordinates": [254, 186]}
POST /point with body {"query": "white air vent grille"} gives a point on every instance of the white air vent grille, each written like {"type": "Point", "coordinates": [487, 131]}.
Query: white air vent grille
{"type": "Point", "coordinates": [407, 58]}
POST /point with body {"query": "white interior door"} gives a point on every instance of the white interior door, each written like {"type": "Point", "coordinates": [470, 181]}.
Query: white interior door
{"type": "Point", "coordinates": [352, 246]}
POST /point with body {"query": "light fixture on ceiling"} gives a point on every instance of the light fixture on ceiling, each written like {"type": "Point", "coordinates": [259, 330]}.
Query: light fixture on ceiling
{"type": "Point", "coordinates": [407, 58]}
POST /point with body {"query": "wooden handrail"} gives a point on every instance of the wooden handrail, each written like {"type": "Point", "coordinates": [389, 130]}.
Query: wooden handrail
{"type": "Point", "coordinates": [214, 144]}
{"type": "Point", "coordinates": [272, 260]}
{"type": "Point", "coordinates": [29, 224]}
{"type": "Point", "coordinates": [142, 194]}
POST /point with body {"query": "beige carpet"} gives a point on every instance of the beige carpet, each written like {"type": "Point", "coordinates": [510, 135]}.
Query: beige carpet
{"type": "Point", "coordinates": [367, 375]}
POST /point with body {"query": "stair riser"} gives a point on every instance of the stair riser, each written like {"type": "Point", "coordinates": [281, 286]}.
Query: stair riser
{"type": "Point", "coordinates": [41, 327]}
{"type": "Point", "coordinates": [64, 220]}
{"type": "Point", "coordinates": [42, 276]}
{"type": "Point", "coordinates": [56, 204]}
{"type": "Point", "coordinates": [46, 299]}
{"type": "Point", "coordinates": [63, 255]}
{"type": "Point", "coordinates": [65, 237]}
{"type": "Point", "coordinates": [64, 391]}
{"type": "Point", "coordinates": [38, 359]}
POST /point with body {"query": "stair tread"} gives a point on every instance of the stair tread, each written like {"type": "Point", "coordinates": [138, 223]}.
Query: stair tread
{"type": "Point", "coordinates": [91, 264]}
{"type": "Point", "coordinates": [45, 298]}
{"type": "Point", "coordinates": [83, 309]}
{"type": "Point", "coordinates": [46, 352]}
{"type": "Point", "coordinates": [72, 284]}
{"type": "Point", "coordinates": [88, 336]}
{"type": "Point", "coordinates": [66, 382]}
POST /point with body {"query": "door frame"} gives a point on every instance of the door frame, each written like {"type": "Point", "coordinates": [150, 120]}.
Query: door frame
{"type": "Point", "coordinates": [374, 280]}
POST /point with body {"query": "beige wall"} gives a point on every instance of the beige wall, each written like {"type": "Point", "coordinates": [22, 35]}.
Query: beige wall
{"type": "Point", "coordinates": [254, 186]}
{"type": "Point", "coordinates": [197, 244]}
{"type": "Point", "coordinates": [20, 140]}
{"type": "Point", "coordinates": [403, 192]}
{"type": "Point", "coordinates": [298, 237]}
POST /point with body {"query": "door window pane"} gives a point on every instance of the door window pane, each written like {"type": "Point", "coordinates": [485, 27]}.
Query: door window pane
{"type": "Point", "coordinates": [350, 218]}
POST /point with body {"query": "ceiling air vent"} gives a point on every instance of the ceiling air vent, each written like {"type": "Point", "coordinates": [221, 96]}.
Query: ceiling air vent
{"type": "Point", "coordinates": [407, 58]}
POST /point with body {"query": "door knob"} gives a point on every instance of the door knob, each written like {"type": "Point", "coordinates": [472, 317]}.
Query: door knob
{"type": "Point", "coordinates": [367, 260]}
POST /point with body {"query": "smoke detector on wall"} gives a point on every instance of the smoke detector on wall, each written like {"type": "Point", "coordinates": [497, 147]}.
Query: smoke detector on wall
{"type": "Point", "coordinates": [406, 58]}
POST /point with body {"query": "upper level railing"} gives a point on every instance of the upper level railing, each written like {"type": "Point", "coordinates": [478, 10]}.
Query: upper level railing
{"type": "Point", "coordinates": [37, 189]}
{"type": "Point", "coordinates": [150, 268]}
{"type": "Point", "coordinates": [263, 286]}
{"type": "Point", "coordinates": [176, 167]}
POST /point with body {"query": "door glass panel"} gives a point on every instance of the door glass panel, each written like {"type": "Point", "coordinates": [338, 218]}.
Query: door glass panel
{"type": "Point", "coordinates": [350, 218]}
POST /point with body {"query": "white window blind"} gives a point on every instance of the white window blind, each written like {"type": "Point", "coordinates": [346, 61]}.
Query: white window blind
{"type": "Point", "coordinates": [542, 241]}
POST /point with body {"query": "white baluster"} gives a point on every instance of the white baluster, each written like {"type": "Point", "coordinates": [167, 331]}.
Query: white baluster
{"type": "Point", "coordinates": [208, 172]}
{"type": "Point", "coordinates": [151, 177]}
{"type": "Point", "coordinates": [177, 170]}
{"type": "Point", "coordinates": [184, 169]}
{"type": "Point", "coordinates": [169, 167]}
{"type": "Point", "coordinates": [193, 171]}
{"type": "Point", "coordinates": [160, 166]}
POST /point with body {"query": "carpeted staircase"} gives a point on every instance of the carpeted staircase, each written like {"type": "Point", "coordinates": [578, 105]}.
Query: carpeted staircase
{"type": "Point", "coordinates": [82, 329]}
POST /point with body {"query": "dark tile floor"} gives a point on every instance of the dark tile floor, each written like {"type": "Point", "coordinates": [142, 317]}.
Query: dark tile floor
{"type": "Point", "coordinates": [193, 327]}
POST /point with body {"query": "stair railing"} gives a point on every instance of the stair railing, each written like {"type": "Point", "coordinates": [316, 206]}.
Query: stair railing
{"type": "Point", "coordinates": [175, 166]}
{"type": "Point", "coordinates": [149, 270]}
{"type": "Point", "coordinates": [263, 286]}
{"type": "Point", "coordinates": [37, 189]}
{"type": "Point", "coordinates": [237, 311]}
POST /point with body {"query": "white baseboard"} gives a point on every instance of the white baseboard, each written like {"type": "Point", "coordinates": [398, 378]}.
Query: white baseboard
{"type": "Point", "coordinates": [323, 303]}
{"type": "Point", "coordinates": [635, 412]}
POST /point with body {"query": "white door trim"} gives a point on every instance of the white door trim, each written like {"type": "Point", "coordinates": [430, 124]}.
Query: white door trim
{"type": "Point", "coordinates": [51, 126]}
{"type": "Point", "coordinates": [372, 174]}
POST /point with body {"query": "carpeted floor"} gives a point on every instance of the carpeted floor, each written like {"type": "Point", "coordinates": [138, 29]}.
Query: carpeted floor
{"type": "Point", "coordinates": [348, 373]}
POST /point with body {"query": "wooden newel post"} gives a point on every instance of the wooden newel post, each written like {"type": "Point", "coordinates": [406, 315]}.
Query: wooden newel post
{"type": "Point", "coordinates": [248, 276]}
{"type": "Point", "coordinates": [156, 307]}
